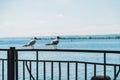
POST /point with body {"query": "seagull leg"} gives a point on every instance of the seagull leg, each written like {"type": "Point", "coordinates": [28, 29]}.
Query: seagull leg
{"type": "Point", "coordinates": [32, 47]}
{"type": "Point", "coordinates": [55, 46]}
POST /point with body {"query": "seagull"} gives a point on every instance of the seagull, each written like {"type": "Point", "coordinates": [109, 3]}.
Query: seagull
{"type": "Point", "coordinates": [31, 43]}
{"type": "Point", "coordinates": [54, 42]}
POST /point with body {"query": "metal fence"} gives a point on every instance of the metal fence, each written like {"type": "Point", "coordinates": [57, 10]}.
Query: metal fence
{"type": "Point", "coordinates": [14, 68]}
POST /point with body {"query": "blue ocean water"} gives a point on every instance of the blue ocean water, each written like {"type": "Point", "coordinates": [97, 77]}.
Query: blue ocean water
{"type": "Point", "coordinates": [92, 44]}
{"type": "Point", "coordinates": [99, 44]}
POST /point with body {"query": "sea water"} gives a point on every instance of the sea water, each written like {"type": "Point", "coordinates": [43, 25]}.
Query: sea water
{"type": "Point", "coordinates": [89, 44]}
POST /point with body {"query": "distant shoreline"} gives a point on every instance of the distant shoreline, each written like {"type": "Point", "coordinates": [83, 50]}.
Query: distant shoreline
{"type": "Point", "coordinates": [71, 37]}
{"type": "Point", "coordinates": [90, 37]}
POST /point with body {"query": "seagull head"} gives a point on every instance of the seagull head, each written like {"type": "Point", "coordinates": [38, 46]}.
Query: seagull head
{"type": "Point", "coordinates": [35, 38]}
{"type": "Point", "coordinates": [58, 37]}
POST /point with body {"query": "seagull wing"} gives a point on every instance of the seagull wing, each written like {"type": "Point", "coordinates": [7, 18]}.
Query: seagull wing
{"type": "Point", "coordinates": [55, 42]}
{"type": "Point", "coordinates": [31, 43]}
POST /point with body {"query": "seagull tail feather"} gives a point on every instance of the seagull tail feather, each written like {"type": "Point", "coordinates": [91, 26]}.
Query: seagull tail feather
{"type": "Point", "coordinates": [25, 45]}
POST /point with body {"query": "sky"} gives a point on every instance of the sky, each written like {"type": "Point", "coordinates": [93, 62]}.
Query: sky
{"type": "Point", "coordinates": [23, 18]}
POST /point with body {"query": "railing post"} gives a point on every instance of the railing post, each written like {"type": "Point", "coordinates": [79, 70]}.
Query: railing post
{"type": "Point", "coordinates": [105, 65]}
{"type": "Point", "coordinates": [12, 64]}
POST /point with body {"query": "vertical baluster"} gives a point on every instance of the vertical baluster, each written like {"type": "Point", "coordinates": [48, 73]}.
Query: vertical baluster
{"type": "Point", "coordinates": [23, 70]}
{"type": "Point", "coordinates": [2, 69]}
{"type": "Point", "coordinates": [76, 71]}
{"type": "Point", "coordinates": [68, 71]}
{"type": "Point", "coordinates": [59, 71]}
{"type": "Point", "coordinates": [114, 72]}
{"type": "Point", "coordinates": [85, 71]}
{"type": "Point", "coordinates": [104, 65]}
{"type": "Point", "coordinates": [51, 70]}
{"type": "Point", "coordinates": [44, 70]}
{"type": "Point", "coordinates": [30, 70]}
{"type": "Point", "coordinates": [94, 70]}
{"type": "Point", "coordinates": [37, 65]}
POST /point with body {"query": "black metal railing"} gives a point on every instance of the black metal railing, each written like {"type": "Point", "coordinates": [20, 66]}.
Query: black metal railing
{"type": "Point", "coordinates": [43, 69]}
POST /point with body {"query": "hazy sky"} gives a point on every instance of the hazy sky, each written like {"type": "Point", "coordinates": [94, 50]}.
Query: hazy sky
{"type": "Point", "coordinates": [22, 18]}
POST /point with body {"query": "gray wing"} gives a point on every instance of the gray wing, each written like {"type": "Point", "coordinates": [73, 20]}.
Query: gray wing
{"type": "Point", "coordinates": [55, 42]}
{"type": "Point", "coordinates": [32, 42]}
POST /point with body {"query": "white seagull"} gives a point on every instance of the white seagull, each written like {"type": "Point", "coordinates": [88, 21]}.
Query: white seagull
{"type": "Point", "coordinates": [31, 43]}
{"type": "Point", "coordinates": [54, 42]}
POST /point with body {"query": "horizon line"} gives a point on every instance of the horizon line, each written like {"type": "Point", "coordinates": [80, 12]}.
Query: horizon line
{"type": "Point", "coordinates": [59, 35]}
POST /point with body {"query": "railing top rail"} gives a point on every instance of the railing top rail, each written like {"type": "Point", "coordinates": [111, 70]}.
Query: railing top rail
{"type": "Point", "coordinates": [71, 50]}
{"type": "Point", "coordinates": [4, 49]}
{"type": "Point", "coordinates": [68, 50]}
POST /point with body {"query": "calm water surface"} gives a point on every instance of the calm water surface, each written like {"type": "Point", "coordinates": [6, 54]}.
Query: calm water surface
{"type": "Point", "coordinates": [94, 44]}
